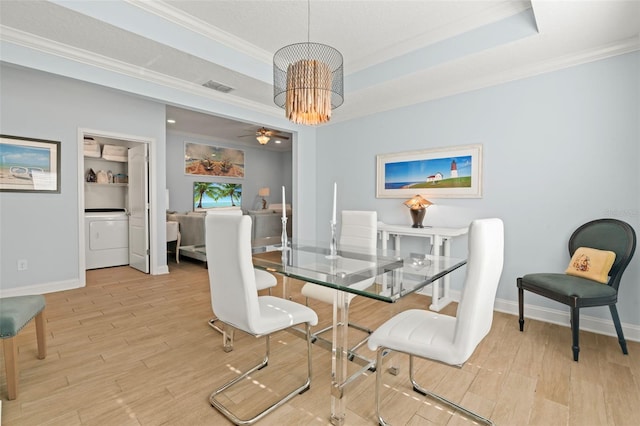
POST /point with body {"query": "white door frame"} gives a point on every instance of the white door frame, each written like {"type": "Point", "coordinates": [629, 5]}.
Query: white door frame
{"type": "Point", "coordinates": [153, 225]}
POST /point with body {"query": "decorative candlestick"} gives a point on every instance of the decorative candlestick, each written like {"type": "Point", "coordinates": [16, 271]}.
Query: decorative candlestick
{"type": "Point", "coordinates": [284, 205]}
{"type": "Point", "coordinates": [284, 241]}
{"type": "Point", "coordinates": [335, 194]}
{"type": "Point", "coordinates": [333, 244]}
{"type": "Point", "coordinates": [283, 237]}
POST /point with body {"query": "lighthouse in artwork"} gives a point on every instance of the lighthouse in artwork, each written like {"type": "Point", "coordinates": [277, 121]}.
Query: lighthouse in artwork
{"type": "Point", "coordinates": [454, 169]}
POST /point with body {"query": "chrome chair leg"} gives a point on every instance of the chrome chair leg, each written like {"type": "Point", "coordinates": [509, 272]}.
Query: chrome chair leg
{"type": "Point", "coordinates": [299, 390]}
{"type": "Point", "coordinates": [212, 324]}
{"type": "Point", "coordinates": [423, 391]}
{"type": "Point", "coordinates": [420, 390]}
{"type": "Point", "coordinates": [227, 338]}
{"type": "Point", "coordinates": [381, 421]}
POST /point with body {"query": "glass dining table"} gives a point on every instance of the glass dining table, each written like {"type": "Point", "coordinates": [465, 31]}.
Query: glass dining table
{"type": "Point", "coordinates": [397, 274]}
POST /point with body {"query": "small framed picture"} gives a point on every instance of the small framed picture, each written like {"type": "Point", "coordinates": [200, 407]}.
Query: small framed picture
{"type": "Point", "coordinates": [29, 165]}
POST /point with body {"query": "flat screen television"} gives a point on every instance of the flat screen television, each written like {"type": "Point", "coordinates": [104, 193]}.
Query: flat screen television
{"type": "Point", "coordinates": [208, 195]}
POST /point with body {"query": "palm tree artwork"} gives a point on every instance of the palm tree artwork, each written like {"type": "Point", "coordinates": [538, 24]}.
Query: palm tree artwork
{"type": "Point", "coordinates": [216, 194]}
{"type": "Point", "coordinates": [231, 190]}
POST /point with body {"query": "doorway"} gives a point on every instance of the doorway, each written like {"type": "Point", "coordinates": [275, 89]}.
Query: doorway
{"type": "Point", "coordinates": [114, 208]}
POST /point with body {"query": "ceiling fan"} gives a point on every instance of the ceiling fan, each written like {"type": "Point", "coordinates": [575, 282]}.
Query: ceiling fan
{"type": "Point", "coordinates": [263, 135]}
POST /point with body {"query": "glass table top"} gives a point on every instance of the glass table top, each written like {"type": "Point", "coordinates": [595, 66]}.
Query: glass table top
{"type": "Point", "coordinates": [387, 274]}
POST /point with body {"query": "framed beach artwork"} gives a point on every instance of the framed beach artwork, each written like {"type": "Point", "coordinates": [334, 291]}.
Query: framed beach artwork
{"type": "Point", "coordinates": [207, 160]}
{"type": "Point", "coordinates": [454, 172]}
{"type": "Point", "coordinates": [207, 195]}
{"type": "Point", "coordinates": [29, 165]}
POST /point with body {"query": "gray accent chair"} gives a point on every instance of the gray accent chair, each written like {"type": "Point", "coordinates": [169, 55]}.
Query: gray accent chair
{"type": "Point", "coordinates": [577, 292]}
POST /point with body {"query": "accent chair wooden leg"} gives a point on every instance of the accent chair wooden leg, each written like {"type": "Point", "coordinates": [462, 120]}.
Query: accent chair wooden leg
{"type": "Point", "coordinates": [520, 305]}
{"type": "Point", "coordinates": [616, 323]}
{"type": "Point", "coordinates": [575, 331]}
{"type": "Point", "coordinates": [11, 366]}
{"type": "Point", "coordinates": [41, 334]}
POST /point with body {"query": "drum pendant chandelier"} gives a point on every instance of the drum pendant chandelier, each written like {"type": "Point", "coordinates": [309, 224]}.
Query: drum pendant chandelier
{"type": "Point", "coordinates": [308, 81]}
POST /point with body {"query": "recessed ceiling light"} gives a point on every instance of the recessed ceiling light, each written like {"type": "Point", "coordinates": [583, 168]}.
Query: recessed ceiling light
{"type": "Point", "coordinates": [171, 121]}
{"type": "Point", "coordinates": [278, 141]}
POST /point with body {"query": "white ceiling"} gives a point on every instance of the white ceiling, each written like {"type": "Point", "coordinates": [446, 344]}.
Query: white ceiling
{"type": "Point", "coordinates": [396, 53]}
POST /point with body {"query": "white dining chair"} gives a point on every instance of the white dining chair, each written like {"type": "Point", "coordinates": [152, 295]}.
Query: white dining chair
{"type": "Point", "coordinates": [264, 280]}
{"type": "Point", "coordinates": [358, 229]}
{"type": "Point", "coordinates": [443, 338]}
{"type": "Point", "coordinates": [235, 300]}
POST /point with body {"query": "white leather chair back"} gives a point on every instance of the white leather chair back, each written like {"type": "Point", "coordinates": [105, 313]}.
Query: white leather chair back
{"type": "Point", "coordinates": [484, 267]}
{"type": "Point", "coordinates": [231, 275]}
{"type": "Point", "coordinates": [359, 229]}
{"type": "Point", "coordinates": [264, 279]}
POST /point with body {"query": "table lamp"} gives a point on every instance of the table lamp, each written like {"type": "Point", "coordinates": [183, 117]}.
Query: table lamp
{"type": "Point", "coordinates": [263, 192]}
{"type": "Point", "coordinates": [418, 207]}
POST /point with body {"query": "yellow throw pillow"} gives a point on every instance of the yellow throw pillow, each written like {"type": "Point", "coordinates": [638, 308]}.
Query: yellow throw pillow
{"type": "Point", "coordinates": [592, 264]}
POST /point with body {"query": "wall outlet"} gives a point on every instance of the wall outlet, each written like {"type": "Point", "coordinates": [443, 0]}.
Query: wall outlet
{"type": "Point", "coordinates": [22, 265]}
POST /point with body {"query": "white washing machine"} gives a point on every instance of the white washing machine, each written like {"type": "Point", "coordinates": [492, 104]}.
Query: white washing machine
{"type": "Point", "coordinates": [106, 238]}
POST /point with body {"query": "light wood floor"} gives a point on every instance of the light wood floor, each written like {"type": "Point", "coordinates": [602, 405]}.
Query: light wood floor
{"type": "Point", "coordinates": [134, 349]}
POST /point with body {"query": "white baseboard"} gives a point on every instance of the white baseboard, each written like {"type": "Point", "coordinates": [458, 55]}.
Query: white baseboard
{"type": "Point", "coordinates": [41, 288]}
{"type": "Point", "coordinates": [555, 316]}
{"type": "Point", "coordinates": [51, 287]}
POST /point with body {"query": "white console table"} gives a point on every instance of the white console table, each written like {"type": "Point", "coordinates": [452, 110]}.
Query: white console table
{"type": "Point", "coordinates": [440, 239]}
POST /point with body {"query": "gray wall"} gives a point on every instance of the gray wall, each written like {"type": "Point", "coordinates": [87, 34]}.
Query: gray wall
{"type": "Point", "coordinates": [560, 149]}
{"type": "Point", "coordinates": [263, 168]}
{"type": "Point", "coordinates": [43, 228]}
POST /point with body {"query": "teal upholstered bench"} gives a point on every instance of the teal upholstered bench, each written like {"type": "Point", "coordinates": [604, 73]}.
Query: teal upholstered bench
{"type": "Point", "coordinates": [15, 313]}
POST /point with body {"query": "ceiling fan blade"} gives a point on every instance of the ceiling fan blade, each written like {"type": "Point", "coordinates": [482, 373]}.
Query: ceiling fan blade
{"type": "Point", "coordinates": [266, 132]}
{"type": "Point", "coordinates": [276, 134]}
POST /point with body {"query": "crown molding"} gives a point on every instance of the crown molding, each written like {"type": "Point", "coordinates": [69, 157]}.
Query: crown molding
{"type": "Point", "coordinates": [497, 13]}
{"type": "Point", "coordinates": [40, 44]}
{"type": "Point", "coordinates": [617, 48]}
{"type": "Point", "coordinates": [177, 17]}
